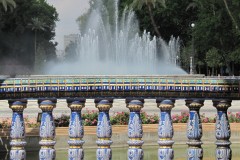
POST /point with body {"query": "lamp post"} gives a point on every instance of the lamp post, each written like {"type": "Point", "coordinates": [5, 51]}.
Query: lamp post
{"type": "Point", "coordinates": [177, 60]}
{"type": "Point", "coordinates": [193, 52]}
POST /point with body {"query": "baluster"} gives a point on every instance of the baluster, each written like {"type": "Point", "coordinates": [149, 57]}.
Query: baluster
{"type": "Point", "coordinates": [76, 131]}
{"type": "Point", "coordinates": [17, 132]}
{"type": "Point", "coordinates": [135, 131]}
{"type": "Point", "coordinates": [165, 130]}
{"type": "Point", "coordinates": [194, 130]}
{"type": "Point", "coordinates": [47, 129]}
{"type": "Point", "coordinates": [223, 132]}
{"type": "Point", "coordinates": [104, 129]}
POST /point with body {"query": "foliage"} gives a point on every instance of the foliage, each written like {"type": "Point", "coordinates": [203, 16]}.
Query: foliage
{"type": "Point", "coordinates": [19, 29]}
{"type": "Point", "coordinates": [216, 26]}
{"type": "Point", "coordinates": [62, 121]}
{"type": "Point", "coordinates": [213, 59]}
{"type": "Point", "coordinates": [184, 116]}
{"type": "Point", "coordinates": [119, 118]}
{"type": "Point", "coordinates": [215, 29]}
{"type": "Point", "coordinates": [29, 123]}
{"type": "Point", "coordinates": [71, 51]}
{"type": "Point", "coordinates": [149, 119]}
{"type": "Point", "coordinates": [90, 118]}
{"type": "Point", "coordinates": [7, 4]}
{"type": "Point", "coordinates": [150, 4]}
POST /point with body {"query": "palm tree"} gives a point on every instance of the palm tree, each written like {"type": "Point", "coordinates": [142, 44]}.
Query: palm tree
{"type": "Point", "coordinates": [37, 25]}
{"type": "Point", "coordinates": [8, 3]}
{"type": "Point", "coordinates": [150, 5]}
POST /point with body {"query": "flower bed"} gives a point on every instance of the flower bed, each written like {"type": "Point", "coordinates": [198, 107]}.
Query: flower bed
{"type": "Point", "coordinates": [90, 118]}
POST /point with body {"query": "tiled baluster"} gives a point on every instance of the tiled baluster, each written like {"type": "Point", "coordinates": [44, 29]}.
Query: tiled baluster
{"type": "Point", "coordinates": [165, 130]}
{"type": "Point", "coordinates": [17, 132]}
{"type": "Point", "coordinates": [47, 129]}
{"type": "Point", "coordinates": [194, 130]}
{"type": "Point", "coordinates": [104, 130]}
{"type": "Point", "coordinates": [135, 131]}
{"type": "Point", "coordinates": [76, 131]}
{"type": "Point", "coordinates": [223, 132]}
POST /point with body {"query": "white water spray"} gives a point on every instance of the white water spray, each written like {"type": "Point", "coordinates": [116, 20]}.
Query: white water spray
{"type": "Point", "coordinates": [112, 46]}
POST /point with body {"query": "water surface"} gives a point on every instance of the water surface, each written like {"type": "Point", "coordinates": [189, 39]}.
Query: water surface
{"type": "Point", "coordinates": [150, 153]}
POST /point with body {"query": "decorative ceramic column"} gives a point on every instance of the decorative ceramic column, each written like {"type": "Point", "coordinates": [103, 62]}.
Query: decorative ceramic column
{"type": "Point", "coordinates": [194, 130]}
{"type": "Point", "coordinates": [76, 131]}
{"type": "Point", "coordinates": [104, 129]}
{"type": "Point", "coordinates": [223, 132]}
{"type": "Point", "coordinates": [165, 130]}
{"type": "Point", "coordinates": [17, 132]}
{"type": "Point", "coordinates": [135, 131]}
{"type": "Point", "coordinates": [47, 129]}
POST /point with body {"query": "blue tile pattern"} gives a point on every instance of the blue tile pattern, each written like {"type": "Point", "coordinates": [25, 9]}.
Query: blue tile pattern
{"type": "Point", "coordinates": [120, 86]}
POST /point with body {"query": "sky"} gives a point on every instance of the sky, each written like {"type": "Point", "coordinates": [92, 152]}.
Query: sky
{"type": "Point", "coordinates": [69, 11]}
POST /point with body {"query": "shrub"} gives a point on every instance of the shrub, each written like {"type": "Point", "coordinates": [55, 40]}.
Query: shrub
{"type": "Point", "coordinates": [90, 118]}
{"type": "Point", "coordinates": [182, 118]}
{"type": "Point", "coordinates": [62, 121]}
{"type": "Point", "coordinates": [149, 119]}
{"type": "Point", "coordinates": [119, 118]}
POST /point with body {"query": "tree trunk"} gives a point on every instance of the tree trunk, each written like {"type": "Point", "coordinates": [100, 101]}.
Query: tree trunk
{"type": "Point", "coordinates": [35, 51]}
{"type": "Point", "coordinates": [153, 21]}
{"type": "Point", "coordinates": [231, 16]}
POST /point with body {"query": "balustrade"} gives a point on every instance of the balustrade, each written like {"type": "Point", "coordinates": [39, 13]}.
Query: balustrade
{"type": "Point", "coordinates": [47, 129]}
{"type": "Point", "coordinates": [76, 130]}
{"type": "Point", "coordinates": [194, 130]}
{"type": "Point", "coordinates": [17, 132]}
{"type": "Point", "coordinates": [104, 129]}
{"type": "Point", "coordinates": [223, 132]}
{"type": "Point", "coordinates": [165, 129]}
{"type": "Point", "coordinates": [135, 131]}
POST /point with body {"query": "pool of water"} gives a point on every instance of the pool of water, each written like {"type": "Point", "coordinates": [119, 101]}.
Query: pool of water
{"type": "Point", "coordinates": [150, 152]}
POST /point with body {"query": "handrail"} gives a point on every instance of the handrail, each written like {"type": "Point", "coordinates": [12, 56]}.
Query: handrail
{"type": "Point", "coordinates": [154, 86]}
{"type": "Point", "coordinates": [166, 89]}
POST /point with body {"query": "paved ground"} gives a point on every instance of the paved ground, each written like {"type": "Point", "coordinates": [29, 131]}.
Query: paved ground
{"type": "Point", "coordinates": [150, 107]}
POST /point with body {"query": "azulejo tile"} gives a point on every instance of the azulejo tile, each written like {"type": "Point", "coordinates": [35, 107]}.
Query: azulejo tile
{"type": "Point", "coordinates": [123, 85]}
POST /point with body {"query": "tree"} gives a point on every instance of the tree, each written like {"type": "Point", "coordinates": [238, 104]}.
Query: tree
{"type": "Point", "coordinates": [150, 5]}
{"type": "Point", "coordinates": [232, 17]}
{"type": "Point", "coordinates": [22, 31]}
{"type": "Point", "coordinates": [37, 25]}
{"type": "Point", "coordinates": [213, 59]}
{"type": "Point", "coordinates": [71, 52]}
{"type": "Point", "coordinates": [8, 4]}
{"type": "Point", "coordinates": [214, 28]}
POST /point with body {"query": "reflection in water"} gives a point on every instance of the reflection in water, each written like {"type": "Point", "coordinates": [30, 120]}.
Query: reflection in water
{"type": "Point", "coordinates": [150, 152]}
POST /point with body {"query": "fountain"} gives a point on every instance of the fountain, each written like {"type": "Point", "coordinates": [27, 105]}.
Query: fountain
{"type": "Point", "coordinates": [111, 45]}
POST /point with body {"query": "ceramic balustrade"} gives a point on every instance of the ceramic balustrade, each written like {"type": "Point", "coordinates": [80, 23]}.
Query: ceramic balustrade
{"type": "Point", "coordinates": [194, 130]}
{"type": "Point", "coordinates": [104, 129]}
{"type": "Point", "coordinates": [76, 131]}
{"type": "Point", "coordinates": [17, 132]}
{"type": "Point", "coordinates": [47, 129]}
{"type": "Point", "coordinates": [223, 132]}
{"type": "Point", "coordinates": [165, 129]}
{"type": "Point", "coordinates": [135, 131]}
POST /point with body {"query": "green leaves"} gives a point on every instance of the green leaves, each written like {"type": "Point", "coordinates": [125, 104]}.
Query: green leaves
{"type": "Point", "coordinates": [8, 3]}
{"type": "Point", "coordinates": [27, 30]}
{"type": "Point", "coordinates": [213, 58]}
{"type": "Point", "coordinates": [138, 4]}
{"type": "Point", "coordinates": [37, 24]}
